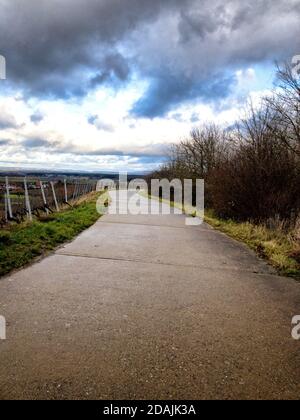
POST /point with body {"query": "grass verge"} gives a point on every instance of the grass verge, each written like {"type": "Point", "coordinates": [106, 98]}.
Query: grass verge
{"type": "Point", "coordinates": [20, 244]}
{"type": "Point", "coordinates": [280, 249]}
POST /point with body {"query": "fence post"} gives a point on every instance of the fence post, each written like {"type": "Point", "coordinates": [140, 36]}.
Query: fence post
{"type": "Point", "coordinates": [9, 208]}
{"type": "Point", "coordinates": [54, 196]}
{"type": "Point", "coordinates": [44, 196]}
{"type": "Point", "coordinates": [27, 200]}
{"type": "Point", "coordinates": [66, 191]}
{"type": "Point", "coordinates": [75, 190]}
{"type": "Point", "coordinates": [79, 190]}
{"type": "Point", "coordinates": [5, 208]}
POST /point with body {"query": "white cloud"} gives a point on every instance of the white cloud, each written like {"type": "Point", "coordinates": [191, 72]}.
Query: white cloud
{"type": "Point", "coordinates": [68, 140]}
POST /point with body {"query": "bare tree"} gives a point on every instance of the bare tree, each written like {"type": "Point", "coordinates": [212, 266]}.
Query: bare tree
{"type": "Point", "coordinates": [203, 151]}
{"type": "Point", "coordinates": [260, 180]}
{"type": "Point", "coordinates": [251, 172]}
{"type": "Point", "coordinates": [285, 104]}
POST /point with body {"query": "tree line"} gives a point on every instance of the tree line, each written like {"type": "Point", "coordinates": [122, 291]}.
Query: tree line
{"type": "Point", "coordinates": [251, 170]}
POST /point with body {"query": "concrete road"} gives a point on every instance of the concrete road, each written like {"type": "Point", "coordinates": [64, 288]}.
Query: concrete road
{"type": "Point", "coordinates": [144, 307]}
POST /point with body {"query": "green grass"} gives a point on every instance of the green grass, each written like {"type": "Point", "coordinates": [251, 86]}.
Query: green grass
{"type": "Point", "coordinates": [279, 248]}
{"type": "Point", "coordinates": [20, 244]}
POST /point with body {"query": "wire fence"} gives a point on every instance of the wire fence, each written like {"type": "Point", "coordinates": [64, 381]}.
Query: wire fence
{"type": "Point", "coordinates": [22, 198]}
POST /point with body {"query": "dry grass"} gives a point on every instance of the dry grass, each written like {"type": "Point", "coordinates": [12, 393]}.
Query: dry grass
{"type": "Point", "coordinates": [277, 244]}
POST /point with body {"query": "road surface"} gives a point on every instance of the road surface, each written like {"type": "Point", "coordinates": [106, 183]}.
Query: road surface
{"type": "Point", "coordinates": [145, 307]}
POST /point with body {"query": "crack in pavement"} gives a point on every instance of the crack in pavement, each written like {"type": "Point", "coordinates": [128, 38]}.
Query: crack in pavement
{"type": "Point", "coordinates": [233, 269]}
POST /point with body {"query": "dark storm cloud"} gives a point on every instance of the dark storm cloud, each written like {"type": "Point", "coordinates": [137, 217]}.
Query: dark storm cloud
{"type": "Point", "coordinates": [51, 48]}
{"type": "Point", "coordinates": [163, 94]}
{"type": "Point", "coordinates": [199, 56]}
{"type": "Point", "coordinates": [114, 68]}
{"type": "Point", "coordinates": [185, 49]}
{"type": "Point", "coordinates": [199, 24]}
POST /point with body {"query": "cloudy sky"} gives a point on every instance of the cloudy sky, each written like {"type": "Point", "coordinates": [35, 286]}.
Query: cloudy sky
{"type": "Point", "coordinates": [108, 84]}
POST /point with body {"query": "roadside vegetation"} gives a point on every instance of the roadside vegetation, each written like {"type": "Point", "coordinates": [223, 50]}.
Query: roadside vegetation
{"type": "Point", "coordinates": [252, 174]}
{"type": "Point", "coordinates": [276, 244]}
{"type": "Point", "coordinates": [20, 244]}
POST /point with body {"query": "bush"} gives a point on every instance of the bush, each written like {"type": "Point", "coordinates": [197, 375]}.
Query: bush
{"type": "Point", "coordinates": [261, 179]}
